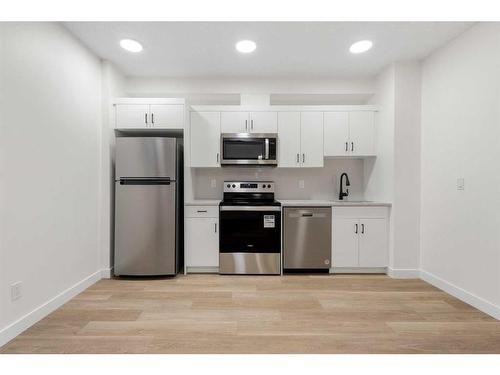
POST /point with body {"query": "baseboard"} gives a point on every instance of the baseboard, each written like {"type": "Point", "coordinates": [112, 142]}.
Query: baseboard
{"type": "Point", "coordinates": [202, 269]}
{"type": "Point", "coordinates": [20, 325]}
{"type": "Point", "coordinates": [403, 273]}
{"type": "Point", "coordinates": [473, 300]}
{"type": "Point", "coordinates": [107, 273]}
{"type": "Point", "coordinates": [358, 270]}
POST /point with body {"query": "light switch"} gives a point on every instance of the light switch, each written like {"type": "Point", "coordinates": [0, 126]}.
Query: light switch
{"type": "Point", "coordinates": [213, 183]}
{"type": "Point", "coordinates": [301, 184]}
{"type": "Point", "coordinates": [460, 183]}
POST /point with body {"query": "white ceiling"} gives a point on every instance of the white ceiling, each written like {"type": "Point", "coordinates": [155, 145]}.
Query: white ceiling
{"type": "Point", "coordinates": [284, 49]}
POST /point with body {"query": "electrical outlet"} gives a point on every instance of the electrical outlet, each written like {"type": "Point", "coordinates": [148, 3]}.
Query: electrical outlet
{"type": "Point", "coordinates": [301, 184]}
{"type": "Point", "coordinates": [213, 183]}
{"type": "Point", "coordinates": [15, 291]}
{"type": "Point", "coordinates": [460, 183]}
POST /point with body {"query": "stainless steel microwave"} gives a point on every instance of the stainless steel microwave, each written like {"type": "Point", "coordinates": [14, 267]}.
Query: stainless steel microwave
{"type": "Point", "coordinates": [249, 149]}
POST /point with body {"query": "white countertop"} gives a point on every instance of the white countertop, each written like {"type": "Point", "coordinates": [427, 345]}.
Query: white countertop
{"type": "Point", "coordinates": [321, 203]}
{"type": "Point", "coordinates": [203, 202]}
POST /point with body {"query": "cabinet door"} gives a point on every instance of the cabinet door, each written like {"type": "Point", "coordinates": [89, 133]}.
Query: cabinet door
{"type": "Point", "coordinates": [336, 137]}
{"type": "Point", "coordinates": [167, 116]}
{"type": "Point", "coordinates": [205, 139]}
{"type": "Point", "coordinates": [311, 139]}
{"type": "Point", "coordinates": [202, 242]}
{"type": "Point", "coordinates": [345, 242]}
{"type": "Point", "coordinates": [289, 139]}
{"type": "Point", "coordinates": [263, 122]}
{"type": "Point", "coordinates": [361, 133]}
{"type": "Point", "coordinates": [373, 244]}
{"type": "Point", "coordinates": [235, 122]}
{"type": "Point", "coordinates": [132, 116]}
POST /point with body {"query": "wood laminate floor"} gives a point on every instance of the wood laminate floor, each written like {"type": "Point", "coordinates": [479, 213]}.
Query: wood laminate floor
{"type": "Point", "coordinates": [262, 314]}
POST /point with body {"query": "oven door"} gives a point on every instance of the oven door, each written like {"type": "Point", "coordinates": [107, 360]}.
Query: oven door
{"type": "Point", "coordinates": [246, 148]}
{"type": "Point", "coordinates": [250, 229]}
{"type": "Point", "coordinates": [250, 240]}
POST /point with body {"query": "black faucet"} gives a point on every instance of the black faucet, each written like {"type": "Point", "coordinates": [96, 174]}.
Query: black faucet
{"type": "Point", "coordinates": [347, 183]}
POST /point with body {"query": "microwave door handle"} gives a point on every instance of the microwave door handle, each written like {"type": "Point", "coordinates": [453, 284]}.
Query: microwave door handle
{"type": "Point", "coordinates": [267, 148]}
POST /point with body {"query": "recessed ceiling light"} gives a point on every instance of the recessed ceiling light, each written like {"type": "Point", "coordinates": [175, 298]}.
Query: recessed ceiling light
{"type": "Point", "coordinates": [131, 45]}
{"type": "Point", "coordinates": [361, 46]}
{"type": "Point", "coordinates": [246, 46]}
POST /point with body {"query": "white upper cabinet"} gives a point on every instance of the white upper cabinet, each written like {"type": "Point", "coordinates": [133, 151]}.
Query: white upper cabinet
{"type": "Point", "coordinates": [336, 140]}
{"type": "Point", "coordinates": [167, 116]}
{"type": "Point", "coordinates": [235, 122]}
{"type": "Point", "coordinates": [205, 139]}
{"type": "Point", "coordinates": [289, 139]}
{"type": "Point", "coordinates": [132, 116]}
{"type": "Point", "coordinates": [249, 122]}
{"type": "Point", "coordinates": [300, 137]}
{"type": "Point", "coordinates": [263, 122]}
{"type": "Point", "coordinates": [311, 139]}
{"type": "Point", "coordinates": [349, 133]}
{"type": "Point", "coordinates": [145, 113]}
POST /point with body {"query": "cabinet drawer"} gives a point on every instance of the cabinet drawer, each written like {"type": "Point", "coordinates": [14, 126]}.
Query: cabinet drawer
{"type": "Point", "coordinates": [201, 211]}
{"type": "Point", "coordinates": [361, 212]}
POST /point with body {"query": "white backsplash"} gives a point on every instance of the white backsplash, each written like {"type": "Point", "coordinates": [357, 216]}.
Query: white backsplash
{"type": "Point", "coordinates": [319, 183]}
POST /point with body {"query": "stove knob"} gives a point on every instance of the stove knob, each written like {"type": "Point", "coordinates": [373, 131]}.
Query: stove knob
{"type": "Point", "coordinates": [234, 185]}
{"type": "Point", "coordinates": [269, 186]}
{"type": "Point", "coordinates": [264, 186]}
{"type": "Point", "coordinates": [228, 185]}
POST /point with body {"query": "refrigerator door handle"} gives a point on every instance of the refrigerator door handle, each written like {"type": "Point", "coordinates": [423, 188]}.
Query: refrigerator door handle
{"type": "Point", "coordinates": [146, 181]}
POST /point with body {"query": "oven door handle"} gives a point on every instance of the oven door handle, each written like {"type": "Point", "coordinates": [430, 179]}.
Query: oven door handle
{"type": "Point", "coordinates": [266, 149]}
{"type": "Point", "coordinates": [250, 208]}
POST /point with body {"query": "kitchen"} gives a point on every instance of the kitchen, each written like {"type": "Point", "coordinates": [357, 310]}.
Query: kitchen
{"type": "Point", "coordinates": [240, 200]}
{"type": "Point", "coordinates": [252, 140]}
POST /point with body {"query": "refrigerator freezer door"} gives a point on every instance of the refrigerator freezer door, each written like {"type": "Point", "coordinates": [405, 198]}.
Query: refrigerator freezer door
{"type": "Point", "coordinates": [145, 157]}
{"type": "Point", "coordinates": [145, 235]}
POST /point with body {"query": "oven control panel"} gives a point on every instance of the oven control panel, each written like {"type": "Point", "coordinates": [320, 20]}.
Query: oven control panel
{"type": "Point", "coordinates": [248, 187]}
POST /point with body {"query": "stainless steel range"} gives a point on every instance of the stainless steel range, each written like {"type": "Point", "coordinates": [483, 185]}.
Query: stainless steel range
{"type": "Point", "coordinates": [250, 229]}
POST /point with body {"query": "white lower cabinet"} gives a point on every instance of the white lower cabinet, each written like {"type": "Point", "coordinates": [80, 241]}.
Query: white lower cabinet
{"type": "Point", "coordinates": [360, 237]}
{"type": "Point", "coordinates": [201, 239]}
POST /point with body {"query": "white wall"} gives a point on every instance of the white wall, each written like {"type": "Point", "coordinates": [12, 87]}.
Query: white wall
{"type": "Point", "coordinates": [50, 108]}
{"type": "Point", "coordinates": [113, 85]}
{"type": "Point", "coordinates": [394, 176]}
{"type": "Point", "coordinates": [228, 90]}
{"type": "Point", "coordinates": [461, 138]}
{"type": "Point", "coordinates": [406, 201]}
{"type": "Point", "coordinates": [319, 183]}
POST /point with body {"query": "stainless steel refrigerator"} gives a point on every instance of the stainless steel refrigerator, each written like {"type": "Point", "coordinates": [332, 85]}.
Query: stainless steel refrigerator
{"type": "Point", "coordinates": [148, 206]}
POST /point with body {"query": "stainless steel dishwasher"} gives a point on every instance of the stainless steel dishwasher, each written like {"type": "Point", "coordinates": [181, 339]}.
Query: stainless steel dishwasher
{"type": "Point", "coordinates": [307, 236]}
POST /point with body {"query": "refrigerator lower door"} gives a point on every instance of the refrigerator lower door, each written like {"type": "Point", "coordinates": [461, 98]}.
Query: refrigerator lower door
{"type": "Point", "coordinates": [145, 229]}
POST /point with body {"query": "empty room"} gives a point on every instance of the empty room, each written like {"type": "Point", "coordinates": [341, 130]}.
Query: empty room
{"type": "Point", "coordinates": [250, 187]}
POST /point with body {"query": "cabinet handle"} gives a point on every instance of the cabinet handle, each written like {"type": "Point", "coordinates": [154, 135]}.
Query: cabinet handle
{"type": "Point", "coordinates": [152, 118]}
{"type": "Point", "coordinates": [146, 118]}
{"type": "Point", "coordinates": [201, 210]}
{"type": "Point", "coordinates": [356, 230]}
{"type": "Point", "coordinates": [251, 122]}
{"type": "Point", "coordinates": [246, 124]}
{"type": "Point", "coordinates": [303, 158]}
{"type": "Point", "coordinates": [352, 146]}
{"type": "Point", "coordinates": [298, 158]}
{"type": "Point", "coordinates": [217, 157]}
{"type": "Point", "coordinates": [362, 228]}
{"type": "Point", "coordinates": [215, 227]}
{"type": "Point", "coordinates": [346, 147]}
